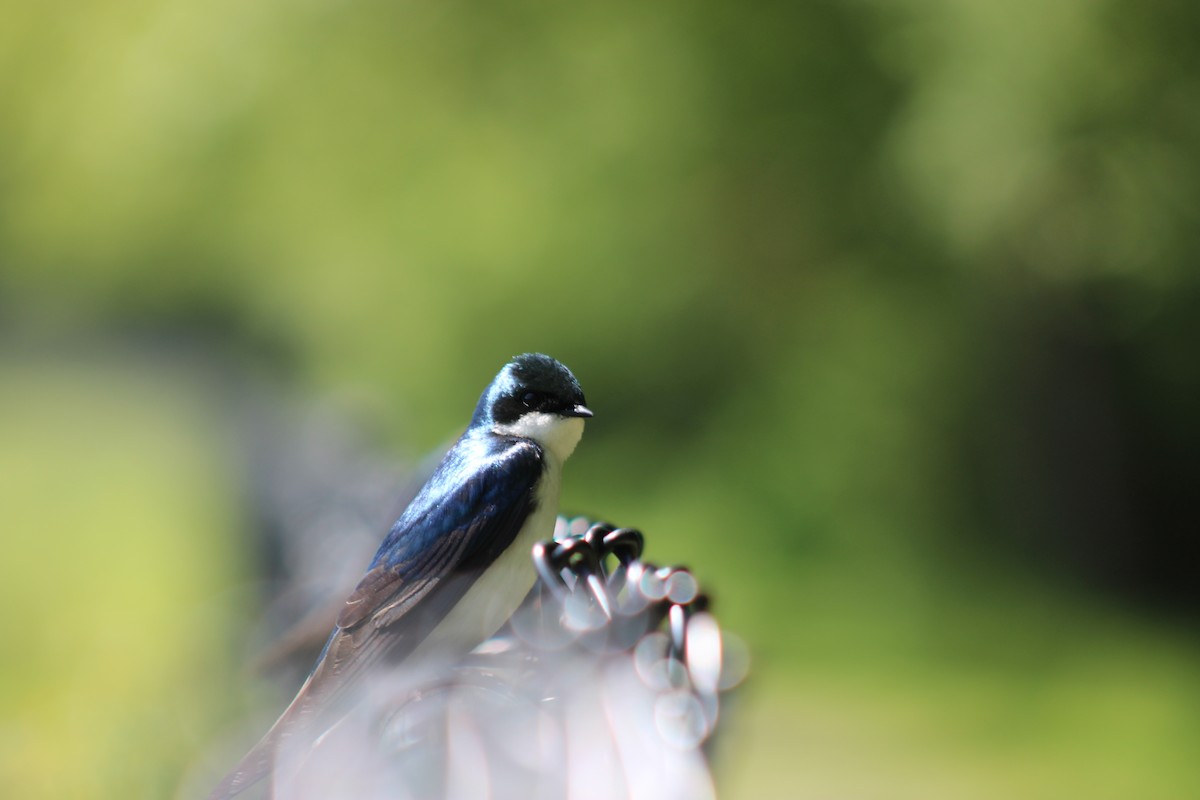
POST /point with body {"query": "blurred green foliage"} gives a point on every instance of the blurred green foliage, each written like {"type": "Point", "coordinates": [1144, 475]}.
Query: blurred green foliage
{"type": "Point", "coordinates": [888, 312]}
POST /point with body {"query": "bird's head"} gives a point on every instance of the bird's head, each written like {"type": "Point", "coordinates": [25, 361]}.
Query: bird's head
{"type": "Point", "coordinates": [534, 397]}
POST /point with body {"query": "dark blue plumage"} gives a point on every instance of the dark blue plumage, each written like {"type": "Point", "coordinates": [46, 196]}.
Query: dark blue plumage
{"type": "Point", "coordinates": [499, 473]}
{"type": "Point", "coordinates": [470, 510]}
{"type": "Point", "coordinates": [496, 488]}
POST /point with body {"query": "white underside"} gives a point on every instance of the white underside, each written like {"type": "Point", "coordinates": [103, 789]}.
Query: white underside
{"type": "Point", "coordinates": [496, 593]}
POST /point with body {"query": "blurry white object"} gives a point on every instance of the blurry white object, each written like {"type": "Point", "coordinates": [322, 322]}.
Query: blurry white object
{"type": "Point", "coordinates": [604, 686]}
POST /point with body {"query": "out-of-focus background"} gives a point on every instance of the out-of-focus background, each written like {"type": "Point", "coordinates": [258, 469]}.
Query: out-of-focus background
{"type": "Point", "coordinates": [889, 313]}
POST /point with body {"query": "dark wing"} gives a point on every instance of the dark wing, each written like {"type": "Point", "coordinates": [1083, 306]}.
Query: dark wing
{"type": "Point", "coordinates": [458, 524]}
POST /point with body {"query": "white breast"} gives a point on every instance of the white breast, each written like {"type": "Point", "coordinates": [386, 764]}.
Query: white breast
{"type": "Point", "coordinates": [496, 593]}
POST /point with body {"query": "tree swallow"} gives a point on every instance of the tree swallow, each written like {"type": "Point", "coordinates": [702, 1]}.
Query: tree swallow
{"type": "Point", "coordinates": [457, 563]}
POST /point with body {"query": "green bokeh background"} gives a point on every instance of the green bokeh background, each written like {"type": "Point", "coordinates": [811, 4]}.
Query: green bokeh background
{"type": "Point", "coordinates": [888, 310]}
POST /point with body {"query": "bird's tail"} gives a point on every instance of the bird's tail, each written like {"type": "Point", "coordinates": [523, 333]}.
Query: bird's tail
{"type": "Point", "coordinates": [324, 698]}
{"type": "Point", "coordinates": [254, 766]}
{"type": "Point", "coordinates": [260, 761]}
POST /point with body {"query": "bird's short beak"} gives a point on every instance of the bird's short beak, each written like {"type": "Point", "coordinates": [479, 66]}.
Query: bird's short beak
{"type": "Point", "coordinates": [578, 410]}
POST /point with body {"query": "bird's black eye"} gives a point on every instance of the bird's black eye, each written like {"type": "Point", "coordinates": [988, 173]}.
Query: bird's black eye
{"type": "Point", "coordinates": [531, 399]}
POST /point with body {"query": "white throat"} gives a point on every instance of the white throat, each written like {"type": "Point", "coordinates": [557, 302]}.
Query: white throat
{"type": "Point", "coordinates": [556, 434]}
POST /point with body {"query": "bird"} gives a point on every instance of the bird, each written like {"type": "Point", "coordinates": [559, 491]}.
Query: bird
{"type": "Point", "coordinates": [456, 564]}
